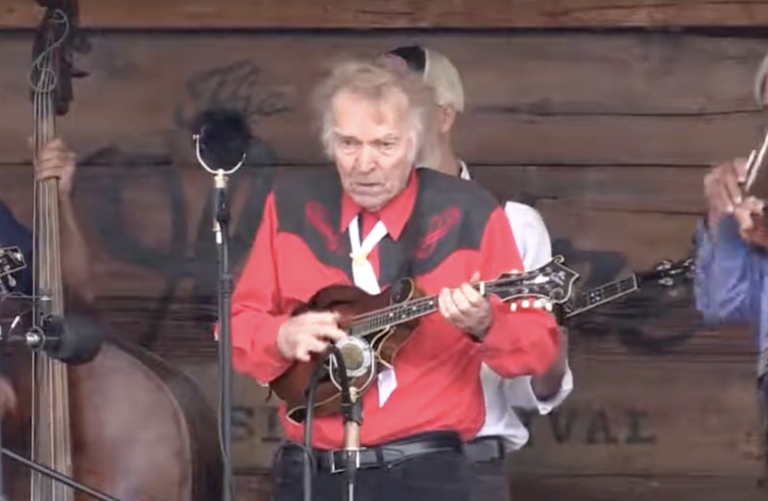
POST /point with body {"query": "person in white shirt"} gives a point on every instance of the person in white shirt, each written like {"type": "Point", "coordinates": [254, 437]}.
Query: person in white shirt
{"type": "Point", "coordinates": [503, 430]}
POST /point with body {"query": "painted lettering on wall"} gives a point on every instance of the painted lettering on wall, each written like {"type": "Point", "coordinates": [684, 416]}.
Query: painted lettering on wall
{"type": "Point", "coordinates": [238, 86]}
{"type": "Point", "coordinates": [632, 320]}
{"type": "Point", "coordinates": [569, 425]}
{"type": "Point", "coordinates": [599, 426]}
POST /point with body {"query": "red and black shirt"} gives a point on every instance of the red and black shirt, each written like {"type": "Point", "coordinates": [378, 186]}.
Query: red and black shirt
{"type": "Point", "coordinates": [303, 245]}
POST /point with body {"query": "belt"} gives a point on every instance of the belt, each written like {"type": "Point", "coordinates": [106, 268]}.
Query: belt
{"type": "Point", "coordinates": [485, 449]}
{"type": "Point", "coordinates": [386, 455]}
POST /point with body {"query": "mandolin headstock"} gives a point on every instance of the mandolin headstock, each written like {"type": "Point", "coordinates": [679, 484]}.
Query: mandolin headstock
{"type": "Point", "coordinates": [11, 261]}
{"type": "Point", "coordinates": [539, 288]}
{"type": "Point", "coordinates": [668, 273]}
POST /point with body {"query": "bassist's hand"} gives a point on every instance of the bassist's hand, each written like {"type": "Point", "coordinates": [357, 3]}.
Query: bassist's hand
{"type": "Point", "coordinates": [308, 333]}
{"type": "Point", "coordinates": [8, 399]}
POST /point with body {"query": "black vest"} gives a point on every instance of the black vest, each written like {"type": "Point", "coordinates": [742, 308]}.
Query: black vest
{"type": "Point", "coordinates": [451, 213]}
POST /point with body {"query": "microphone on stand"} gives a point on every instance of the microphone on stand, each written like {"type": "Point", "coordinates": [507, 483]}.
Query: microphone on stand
{"type": "Point", "coordinates": [73, 339]}
{"type": "Point", "coordinates": [221, 139]}
{"type": "Point", "coordinates": [357, 359]}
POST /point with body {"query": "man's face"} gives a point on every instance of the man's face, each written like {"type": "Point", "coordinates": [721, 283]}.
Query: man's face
{"type": "Point", "coordinates": [372, 146]}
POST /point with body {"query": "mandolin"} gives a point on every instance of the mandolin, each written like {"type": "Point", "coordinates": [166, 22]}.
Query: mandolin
{"type": "Point", "coordinates": [379, 325]}
{"type": "Point", "coordinates": [664, 273]}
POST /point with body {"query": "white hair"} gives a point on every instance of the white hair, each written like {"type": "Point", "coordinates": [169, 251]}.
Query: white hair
{"type": "Point", "coordinates": [377, 82]}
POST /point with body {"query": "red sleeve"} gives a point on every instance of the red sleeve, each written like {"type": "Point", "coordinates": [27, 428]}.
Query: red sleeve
{"type": "Point", "coordinates": [520, 342]}
{"type": "Point", "coordinates": [257, 312]}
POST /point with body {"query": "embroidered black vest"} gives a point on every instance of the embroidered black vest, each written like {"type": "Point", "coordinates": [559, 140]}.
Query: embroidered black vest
{"type": "Point", "coordinates": [451, 213]}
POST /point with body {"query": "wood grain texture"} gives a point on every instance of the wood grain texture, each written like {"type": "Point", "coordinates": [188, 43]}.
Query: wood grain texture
{"type": "Point", "coordinates": [255, 14]}
{"type": "Point", "coordinates": [610, 100]}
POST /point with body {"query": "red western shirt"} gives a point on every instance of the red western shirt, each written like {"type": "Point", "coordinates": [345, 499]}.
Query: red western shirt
{"type": "Point", "coordinates": [437, 383]}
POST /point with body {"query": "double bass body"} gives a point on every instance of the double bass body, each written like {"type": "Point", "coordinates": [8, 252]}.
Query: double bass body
{"type": "Point", "coordinates": [140, 429]}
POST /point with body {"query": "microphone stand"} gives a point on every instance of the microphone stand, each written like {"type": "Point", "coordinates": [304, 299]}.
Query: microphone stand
{"type": "Point", "coordinates": [221, 232]}
{"type": "Point", "coordinates": [353, 418]}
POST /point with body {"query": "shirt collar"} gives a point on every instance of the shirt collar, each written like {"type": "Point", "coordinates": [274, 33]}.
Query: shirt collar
{"type": "Point", "coordinates": [394, 215]}
{"type": "Point", "coordinates": [463, 171]}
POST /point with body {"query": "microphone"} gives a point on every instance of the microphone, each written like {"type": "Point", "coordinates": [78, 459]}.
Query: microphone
{"type": "Point", "coordinates": [221, 142]}
{"type": "Point", "coordinates": [356, 360]}
{"type": "Point", "coordinates": [73, 341]}
{"type": "Point", "coordinates": [357, 354]}
{"type": "Point", "coordinates": [222, 137]}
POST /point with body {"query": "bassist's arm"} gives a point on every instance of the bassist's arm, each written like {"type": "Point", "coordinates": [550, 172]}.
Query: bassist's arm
{"type": "Point", "coordinates": [75, 255]}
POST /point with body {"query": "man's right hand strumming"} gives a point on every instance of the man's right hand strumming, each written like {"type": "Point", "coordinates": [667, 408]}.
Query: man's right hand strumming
{"type": "Point", "coordinates": [308, 333]}
{"type": "Point", "coordinates": [724, 197]}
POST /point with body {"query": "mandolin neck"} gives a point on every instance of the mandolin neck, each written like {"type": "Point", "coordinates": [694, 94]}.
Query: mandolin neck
{"type": "Point", "coordinates": [407, 311]}
{"type": "Point", "coordinates": [586, 300]}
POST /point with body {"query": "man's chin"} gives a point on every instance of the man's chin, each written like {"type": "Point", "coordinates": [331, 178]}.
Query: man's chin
{"type": "Point", "coordinates": [370, 201]}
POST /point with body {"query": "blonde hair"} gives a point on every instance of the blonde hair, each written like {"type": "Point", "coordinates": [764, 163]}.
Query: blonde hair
{"type": "Point", "coordinates": [376, 81]}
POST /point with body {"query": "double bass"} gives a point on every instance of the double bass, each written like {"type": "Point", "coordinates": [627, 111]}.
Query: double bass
{"type": "Point", "coordinates": [124, 423]}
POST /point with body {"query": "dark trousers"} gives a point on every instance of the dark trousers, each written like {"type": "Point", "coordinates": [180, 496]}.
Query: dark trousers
{"type": "Point", "coordinates": [486, 456]}
{"type": "Point", "coordinates": [435, 476]}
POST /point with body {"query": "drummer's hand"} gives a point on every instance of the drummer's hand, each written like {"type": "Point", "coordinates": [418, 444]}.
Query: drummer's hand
{"type": "Point", "coordinates": [722, 190]}
{"type": "Point", "coordinates": [308, 333]}
{"type": "Point", "coordinates": [8, 399]}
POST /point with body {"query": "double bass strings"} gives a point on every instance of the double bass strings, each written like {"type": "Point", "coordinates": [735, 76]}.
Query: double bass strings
{"type": "Point", "coordinates": [51, 433]}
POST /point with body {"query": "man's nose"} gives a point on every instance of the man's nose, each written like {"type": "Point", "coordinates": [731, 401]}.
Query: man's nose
{"type": "Point", "coordinates": [366, 162]}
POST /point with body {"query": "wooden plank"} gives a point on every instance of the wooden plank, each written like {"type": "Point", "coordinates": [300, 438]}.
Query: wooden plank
{"type": "Point", "coordinates": [165, 263]}
{"type": "Point", "coordinates": [532, 99]}
{"type": "Point", "coordinates": [150, 232]}
{"type": "Point", "coordinates": [630, 488]}
{"type": "Point", "coordinates": [185, 14]}
{"type": "Point", "coordinates": [625, 418]}
{"type": "Point", "coordinates": [254, 486]}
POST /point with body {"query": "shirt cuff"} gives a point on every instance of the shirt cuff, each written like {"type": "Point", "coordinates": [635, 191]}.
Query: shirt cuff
{"type": "Point", "coordinates": [546, 406]}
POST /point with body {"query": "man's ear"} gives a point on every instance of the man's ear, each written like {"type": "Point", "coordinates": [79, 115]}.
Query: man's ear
{"type": "Point", "coordinates": [446, 117]}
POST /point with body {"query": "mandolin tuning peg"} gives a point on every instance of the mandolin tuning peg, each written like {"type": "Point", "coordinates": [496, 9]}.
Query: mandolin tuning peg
{"type": "Point", "coordinates": [513, 307]}
{"type": "Point", "coordinates": [548, 306]}
{"type": "Point", "coordinates": [525, 303]}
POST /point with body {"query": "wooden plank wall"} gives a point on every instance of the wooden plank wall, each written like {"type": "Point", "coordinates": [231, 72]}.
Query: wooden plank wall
{"type": "Point", "coordinates": [173, 14]}
{"type": "Point", "coordinates": [608, 135]}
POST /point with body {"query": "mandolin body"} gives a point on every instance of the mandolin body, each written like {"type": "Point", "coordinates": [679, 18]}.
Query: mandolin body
{"type": "Point", "coordinates": [348, 301]}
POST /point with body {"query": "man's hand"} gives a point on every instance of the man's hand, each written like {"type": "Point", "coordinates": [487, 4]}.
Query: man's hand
{"type": "Point", "coordinates": [751, 228]}
{"type": "Point", "coordinates": [56, 160]}
{"type": "Point", "coordinates": [8, 400]}
{"type": "Point", "coordinates": [547, 385]}
{"type": "Point", "coordinates": [466, 309]}
{"type": "Point", "coordinates": [721, 188]}
{"type": "Point", "coordinates": [308, 333]}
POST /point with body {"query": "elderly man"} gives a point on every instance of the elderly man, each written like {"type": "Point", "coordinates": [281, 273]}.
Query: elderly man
{"type": "Point", "coordinates": [732, 264]}
{"type": "Point", "coordinates": [503, 429]}
{"type": "Point", "coordinates": [54, 161]}
{"type": "Point", "coordinates": [445, 233]}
